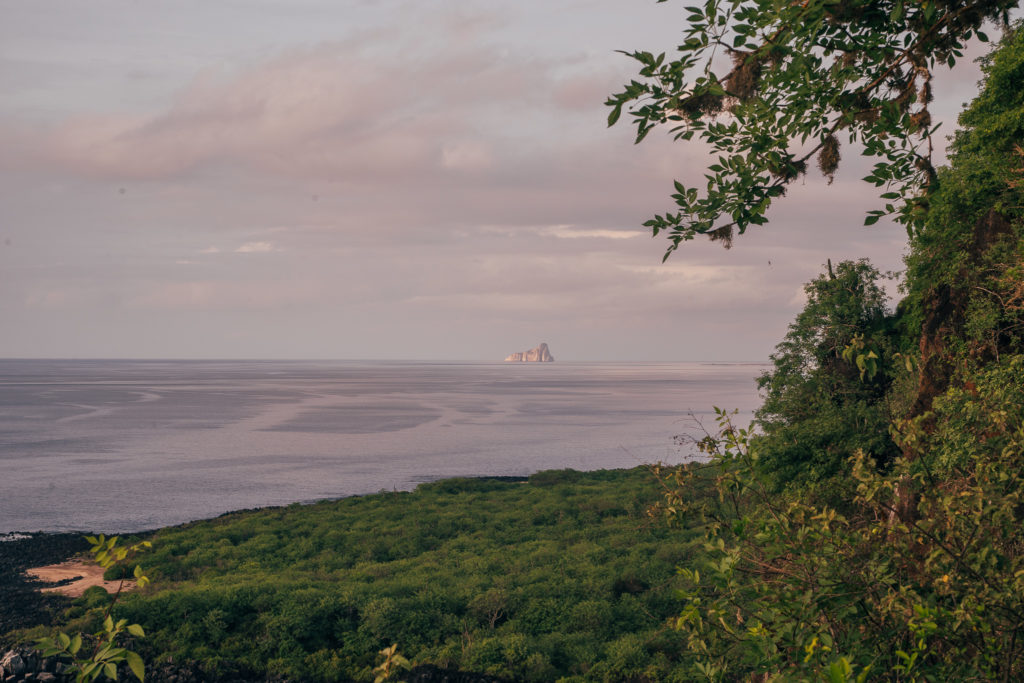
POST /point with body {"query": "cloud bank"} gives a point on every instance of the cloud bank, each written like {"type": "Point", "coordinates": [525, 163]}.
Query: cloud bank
{"type": "Point", "coordinates": [419, 183]}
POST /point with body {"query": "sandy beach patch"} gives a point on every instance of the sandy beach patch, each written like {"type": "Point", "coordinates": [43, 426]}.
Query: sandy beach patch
{"type": "Point", "coordinates": [85, 573]}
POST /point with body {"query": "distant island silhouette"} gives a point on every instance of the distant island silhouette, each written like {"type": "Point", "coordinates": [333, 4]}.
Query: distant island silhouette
{"type": "Point", "coordinates": [536, 355]}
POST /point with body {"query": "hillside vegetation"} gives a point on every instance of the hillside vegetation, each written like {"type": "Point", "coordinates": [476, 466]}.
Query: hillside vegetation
{"type": "Point", "coordinates": [871, 529]}
{"type": "Point", "coordinates": [560, 575]}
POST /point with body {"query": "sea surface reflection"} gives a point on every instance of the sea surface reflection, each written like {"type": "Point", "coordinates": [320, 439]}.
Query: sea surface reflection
{"type": "Point", "coordinates": [131, 445]}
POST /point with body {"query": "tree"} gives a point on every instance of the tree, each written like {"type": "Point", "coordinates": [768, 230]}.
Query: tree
{"type": "Point", "coordinates": [820, 407]}
{"type": "Point", "coordinates": [965, 270]}
{"type": "Point", "coordinates": [771, 85]}
{"type": "Point", "coordinates": [920, 575]}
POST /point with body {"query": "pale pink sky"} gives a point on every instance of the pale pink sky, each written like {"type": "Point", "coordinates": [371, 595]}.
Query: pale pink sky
{"type": "Point", "coordinates": [321, 179]}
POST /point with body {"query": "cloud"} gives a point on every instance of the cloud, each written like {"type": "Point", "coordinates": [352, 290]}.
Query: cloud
{"type": "Point", "coordinates": [448, 177]}
{"type": "Point", "coordinates": [570, 232]}
{"type": "Point", "coordinates": [396, 151]}
{"type": "Point", "coordinates": [466, 155]}
{"type": "Point", "coordinates": [337, 108]}
{"type": "Point", "coordinates": [255, 248]}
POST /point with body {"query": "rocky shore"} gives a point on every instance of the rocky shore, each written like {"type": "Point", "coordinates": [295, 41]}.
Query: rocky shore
{"type": "Point", "coordinates": [21, 603]}
{"type": "Point", "coordinates": [22, 663]}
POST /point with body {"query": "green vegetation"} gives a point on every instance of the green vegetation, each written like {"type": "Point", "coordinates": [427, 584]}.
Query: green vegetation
{"type": "Point", "coordinates": [563, 575]}
{"type": "Point", "coordinates": [819, 407]}
{"type": "Point", "coordinates": [105, 655]}
{"type": "Point", "coordinates": [871, 530]}
{"type": "Point", "coordinates": [795, 77]}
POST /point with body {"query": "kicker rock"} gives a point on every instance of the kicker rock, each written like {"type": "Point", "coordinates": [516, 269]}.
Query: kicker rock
{"type": "Point", "coordinates": [537, 355]}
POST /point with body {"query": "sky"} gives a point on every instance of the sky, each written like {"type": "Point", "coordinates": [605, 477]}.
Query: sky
{"type": "Point", "coordinates": [376, 180]}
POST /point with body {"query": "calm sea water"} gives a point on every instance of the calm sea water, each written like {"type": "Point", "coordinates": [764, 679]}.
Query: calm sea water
{"type": "Point", "coordinates": [130, 445]}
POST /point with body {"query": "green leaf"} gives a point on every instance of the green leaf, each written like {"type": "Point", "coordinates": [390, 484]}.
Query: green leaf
{"type": "Point", "coordinates": [839, 671]}
{"type": "Point", "coordinates": [897, 12]}
{"type": "Point", "coordinates": [136, 630]}
{"type": "Point", "coordinates": [136, 664]}
{"type": "Point", "coordinates": [88, 670]}
{"type": "Point", "coordinates": [615, 114]}
{"type": "Point", "coordinates": [110, 669]}
{"type": "Point", "coordinates": [872, 219]}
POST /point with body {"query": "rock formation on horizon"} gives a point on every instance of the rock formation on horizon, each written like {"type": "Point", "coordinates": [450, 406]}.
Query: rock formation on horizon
{"type": "Point", "coordinates": [537, 355]}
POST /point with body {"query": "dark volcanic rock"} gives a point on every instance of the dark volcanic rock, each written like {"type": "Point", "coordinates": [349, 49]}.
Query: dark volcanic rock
{"type": "Point", "coordinates": [25, 664]}
{"type": "Point", "coordinates": [21, 604]}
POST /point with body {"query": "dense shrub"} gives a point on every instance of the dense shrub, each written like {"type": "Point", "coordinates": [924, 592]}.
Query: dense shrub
{"type": "Point", "coordinates": [533, 580]}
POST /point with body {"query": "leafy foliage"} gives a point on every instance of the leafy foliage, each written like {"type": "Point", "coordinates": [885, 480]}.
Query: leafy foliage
{"type": "Point", "coordinates": [826, 396]}
{"type": "Point", "coordinates": [803, 592]}
{"type": "Point", "coordinates": [392, 664]}
{"type": "Point", "coordinates": [983, 416]}
{"type": "Point", "coordinates": [769, 86]}
{"type": "Point", "coordinates": [107, 654]}
{"type": "Point", "coordinates": [561, 576]}
{"type": "Point", "coordinates": [965, 271]}
{"type": "Point", "coordinates": [918, 575]}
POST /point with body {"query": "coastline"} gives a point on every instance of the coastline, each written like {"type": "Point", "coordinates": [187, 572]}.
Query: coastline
{"type": "Point", "coordinates": [30, 550]}
{"type": "Point", "coordinates": [27, 600]}
{"type": "Point", "coordinates": [22, 605]}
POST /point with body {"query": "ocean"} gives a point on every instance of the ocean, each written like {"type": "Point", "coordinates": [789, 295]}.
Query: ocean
{"type": "Point", "coordinates": [127, 445]}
